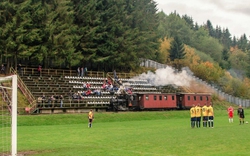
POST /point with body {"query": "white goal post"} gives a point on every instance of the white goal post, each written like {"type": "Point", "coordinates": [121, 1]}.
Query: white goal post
{"type": "Point", "coordinates": [9, 100]}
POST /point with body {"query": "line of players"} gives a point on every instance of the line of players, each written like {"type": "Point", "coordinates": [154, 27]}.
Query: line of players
{"type": "Point", "coordinates": [207, 114]}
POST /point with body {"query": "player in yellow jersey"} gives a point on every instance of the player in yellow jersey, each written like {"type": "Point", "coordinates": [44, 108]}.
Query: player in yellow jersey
{"type": "Point", "coordinates": [210, 116]}
{"type": "Point", "coordinates": [193, 116]}
{"type": "Point", "coordinates": [205, 115]}
{"type": "Point", "coordinates": [198, 116]}
{"type": "Point", "coordinates": [90, 117]}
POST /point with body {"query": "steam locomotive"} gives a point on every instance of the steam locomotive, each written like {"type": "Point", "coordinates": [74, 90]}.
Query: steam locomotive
{"type": "Point", "coordinates": [158, 101]}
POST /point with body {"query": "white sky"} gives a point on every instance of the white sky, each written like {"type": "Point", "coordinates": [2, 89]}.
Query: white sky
{"type": "Point", "coordinates": [231, 14]}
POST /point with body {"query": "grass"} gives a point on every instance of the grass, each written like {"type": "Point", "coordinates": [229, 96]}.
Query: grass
{"type": "Point", "coordinates": [165, 133]}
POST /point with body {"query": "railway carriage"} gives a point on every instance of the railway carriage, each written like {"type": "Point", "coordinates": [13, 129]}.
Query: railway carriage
{"type": "Point", "coordinates": [157, 101]}
{"type": "Point", "coordinates": [160, 101]}
{"type": "Point", "coordinates": [186, 100]}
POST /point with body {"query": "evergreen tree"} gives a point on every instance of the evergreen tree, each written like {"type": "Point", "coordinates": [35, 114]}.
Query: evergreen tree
{"type": "Point", "coordinates": [234, 42]}
{"type": "Point", "coordinates": [189, 21]}
{"type": "Point", "coordinates": [177, 52]}
{"type": "Point", "coordinates": [226, 38]}
{"type": "Point", "coordinates": [243, 43]}
{"type": "Point", "coordinates": [210, 28]}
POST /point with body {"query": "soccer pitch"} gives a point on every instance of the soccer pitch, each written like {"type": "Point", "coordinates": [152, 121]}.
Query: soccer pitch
{"type": "Point", "coordinates": [165, 133]}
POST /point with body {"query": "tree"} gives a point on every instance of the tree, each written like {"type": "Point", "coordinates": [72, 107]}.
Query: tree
{"type": "Point", "coordinates": [177, 52]}
{"type": "Point", "coordinates": [210, 28]}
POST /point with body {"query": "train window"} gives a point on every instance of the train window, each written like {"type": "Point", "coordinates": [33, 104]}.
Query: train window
{"type": "Point", "coordinates": [146, 97]}
{"type": "Point", "coordinates": [200, 98]}
{"type": "Point", "coordinates": [207, 98]}
{"type": "Point", "coordinates": [155, 97]}
{"type": "Point", "coordinates": [194, 98]}
{"type": "Point", "coordinates": [172, 97]}
{"type": "Point", "coordinates": [160, 97]}
{"type": "Point", "coordinates": [165, 97]}
{"type": "Point", "coordinates": [188, 98]}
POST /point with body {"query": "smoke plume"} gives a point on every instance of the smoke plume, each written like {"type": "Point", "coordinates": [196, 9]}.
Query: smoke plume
{"type": "Point", "coordinates": [166, 76]}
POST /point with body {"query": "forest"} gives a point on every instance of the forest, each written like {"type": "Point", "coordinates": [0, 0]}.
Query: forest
{"type": "Point", "coordinates": [110, 34]}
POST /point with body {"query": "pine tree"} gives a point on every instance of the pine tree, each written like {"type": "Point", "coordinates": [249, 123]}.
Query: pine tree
{"type": "Point", "coordinates": [177, 52]}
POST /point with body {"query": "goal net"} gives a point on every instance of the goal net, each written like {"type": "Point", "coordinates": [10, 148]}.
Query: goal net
{"type": "Point", "coordinates": [8, 112]}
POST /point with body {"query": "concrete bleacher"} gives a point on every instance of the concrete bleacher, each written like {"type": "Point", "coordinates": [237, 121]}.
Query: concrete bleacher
{"type": "Point", "coordinates": [65, 84]}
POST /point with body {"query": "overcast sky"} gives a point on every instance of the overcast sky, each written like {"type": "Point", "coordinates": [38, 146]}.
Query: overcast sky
{"type": "Point", "coordinates": [231, 14]}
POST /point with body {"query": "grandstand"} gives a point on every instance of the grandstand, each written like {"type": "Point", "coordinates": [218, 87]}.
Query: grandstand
{"type": "Point", "coordinates": [56, 82]}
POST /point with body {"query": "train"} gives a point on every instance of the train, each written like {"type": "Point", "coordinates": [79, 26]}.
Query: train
{"type": "Point", "coordinates": [158, 101]}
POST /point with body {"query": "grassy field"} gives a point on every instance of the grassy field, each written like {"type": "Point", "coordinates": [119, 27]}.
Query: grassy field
{"type": "Point", "coordinates": [165, 133]}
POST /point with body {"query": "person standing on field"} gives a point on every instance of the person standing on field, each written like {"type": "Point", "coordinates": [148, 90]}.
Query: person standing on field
{"type": "Point", "coordinates": [241, 114]}
{"type": "Point", "coordinates": [193, 116]}
{"type": "Point", "coordinates": [205, 115]}
{"type": "Point", "coordinates": [230, 112]}
{"type": "Point", "coordinates": [210, 116]}
{"type": "Point", "coordinates": [198, 116]}
{"type": "Point", "coordinates": [90, 117]}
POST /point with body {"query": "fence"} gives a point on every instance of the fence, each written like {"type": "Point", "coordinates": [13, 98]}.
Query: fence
{"type": "Point", "coordinates": [221, 94]}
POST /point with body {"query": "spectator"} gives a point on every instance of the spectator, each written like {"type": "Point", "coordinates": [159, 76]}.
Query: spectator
{"type": "Point", "coordinates": [82, 71]}
{"type": "Point", "coordinates": [97, 92]}
{"type": "Point", "coordinates": [61, 100]}
{"type": "Point", "coordinates": [75, 96]}
{"type": "Point", "coordinates": [87, 85]}
{"type": "Point", "coordinates": [115, 76]}
{"type": "Point", "coordinates": [39, 101]}
{"type": "Point", "coordinates": [86, 71]}
{"type": "Point", "coordinates": [19, 69]}
{"type": "Point", "coordinates": [43, 100]}
{"type": "Point", "coordinates": [78, 71]}
{"type": "Point", "coordinates": [84, 85]}
{"type": "Point", "coordinates": [3, 70]}
{"type": "Point", "coordinates": [88, 92]}
{"type": "Point", "coordinates": [51, 101]}
{"type": "Point", "coordinates": [39, 69]}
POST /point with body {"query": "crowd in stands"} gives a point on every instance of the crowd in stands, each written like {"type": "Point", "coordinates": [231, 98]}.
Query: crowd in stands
{"type": "Point", "coordinates": [112, 87]}
{"type": "Point", "coordinates": [52, 101]}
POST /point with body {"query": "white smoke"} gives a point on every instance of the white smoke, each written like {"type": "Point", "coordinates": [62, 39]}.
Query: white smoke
{"type": "Point", "coordinates": [166, 76]}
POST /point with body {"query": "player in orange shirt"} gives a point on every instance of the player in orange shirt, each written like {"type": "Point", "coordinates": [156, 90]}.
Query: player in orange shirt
{"type": "Point", "coordinates": [198, 111]}
{"type": "Point", "coordinates": [193, 116]}
{"type": "Point", "coordinates": [204, 115]}
{"type": "Point", "coordinates": [90, 117]}
{"type": "Point", "coordinates": [210, 116]}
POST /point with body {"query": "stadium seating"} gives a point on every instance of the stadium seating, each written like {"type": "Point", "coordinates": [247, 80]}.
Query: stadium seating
{"type": "Point", "coordinates": [66, 85]}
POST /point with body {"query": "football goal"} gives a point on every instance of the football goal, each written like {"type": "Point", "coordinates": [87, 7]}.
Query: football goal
{"type": "Point", "coordinates": [8, 112]}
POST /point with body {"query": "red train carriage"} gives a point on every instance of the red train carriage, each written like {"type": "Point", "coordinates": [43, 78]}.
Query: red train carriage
{"type": "Point", "coordinates": [157, 101]}
{"type": "Point", "coordinates": [186, 100]}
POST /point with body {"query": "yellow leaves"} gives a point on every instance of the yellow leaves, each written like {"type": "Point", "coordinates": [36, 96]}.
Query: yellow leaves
{"type": "Point", "coordinates": [191, 57]}
{"type": "Point", "coordinates": [164, 48]}
{"type": "Point", "coordinates": [208, 64]}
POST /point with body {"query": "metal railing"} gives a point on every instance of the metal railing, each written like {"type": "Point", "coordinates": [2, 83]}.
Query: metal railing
{"type": "Point", "coordinates": [59, 72]}
{"type": "Point", "coordinates": [24, 89]}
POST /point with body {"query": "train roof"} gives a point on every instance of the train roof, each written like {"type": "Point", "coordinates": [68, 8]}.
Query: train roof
{"type": "Point", "coordinates": [194, 93]}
